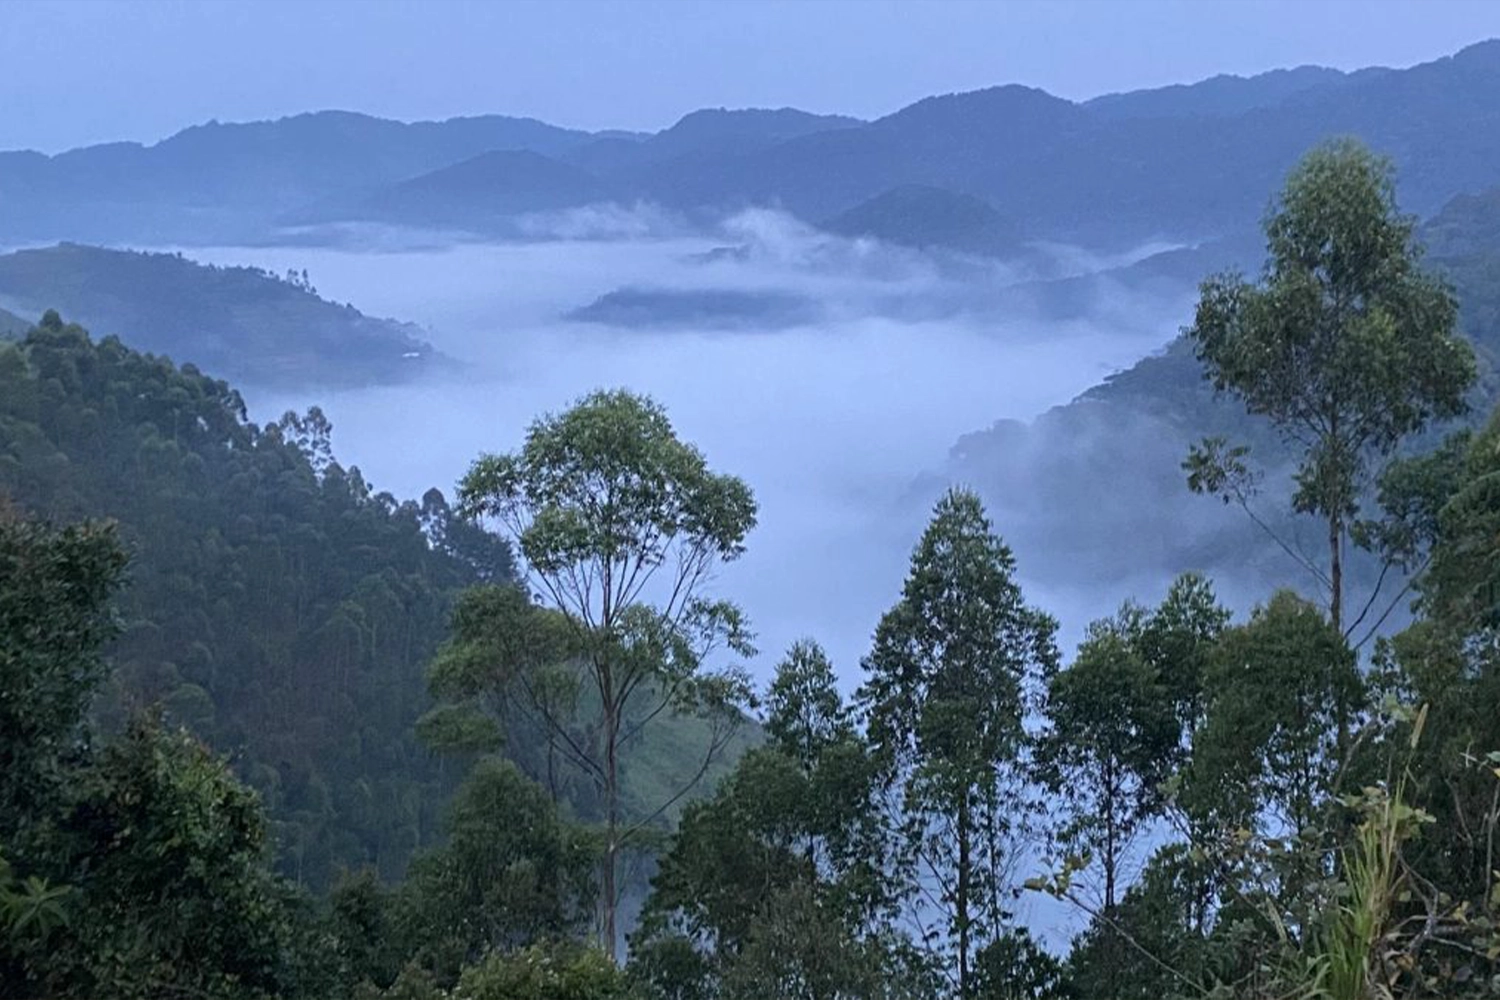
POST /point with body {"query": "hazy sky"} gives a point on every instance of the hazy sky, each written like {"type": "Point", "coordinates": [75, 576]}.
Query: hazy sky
{"type": "Point", "coordinates": [74, 72]}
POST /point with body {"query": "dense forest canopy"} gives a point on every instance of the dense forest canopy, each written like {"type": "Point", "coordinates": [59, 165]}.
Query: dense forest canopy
{"type": "Point", "coordinates": [278, 605]}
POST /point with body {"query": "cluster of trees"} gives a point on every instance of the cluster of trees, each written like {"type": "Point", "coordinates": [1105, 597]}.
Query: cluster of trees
{"type": "Point", "coordinates": [1265, 808]}
{"type": "Point", "coordinates": [278, 606]}
{"type": "Point", "coordinates": [138, 865]}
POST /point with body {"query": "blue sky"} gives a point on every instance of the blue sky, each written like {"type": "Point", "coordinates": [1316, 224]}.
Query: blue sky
{"type": "Point", "coordinates": [83, 71]}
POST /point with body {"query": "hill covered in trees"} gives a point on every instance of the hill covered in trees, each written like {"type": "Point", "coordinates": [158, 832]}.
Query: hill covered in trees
{"type": "Point", "coordinates": [245, 323]}
{"type": "Point", "coordinates": [926, 218]}
{"type": "Point", "coordinates": [278, 605]}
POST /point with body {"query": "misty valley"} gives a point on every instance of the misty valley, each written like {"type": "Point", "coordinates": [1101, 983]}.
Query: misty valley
{"type": "Point", "coordinates": [1012, 548]}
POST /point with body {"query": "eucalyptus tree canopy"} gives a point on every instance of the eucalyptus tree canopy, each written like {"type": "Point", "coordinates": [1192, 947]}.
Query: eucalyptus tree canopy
{"type": "Point", "coordinates": [621, 525]}
{"type": "Point", "coordinates": [949, 678]}
{"type": "Point", "coordinates": [1345, 343]}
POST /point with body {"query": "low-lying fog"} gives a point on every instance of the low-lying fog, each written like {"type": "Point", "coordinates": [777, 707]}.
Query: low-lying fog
{"type": "Point", "coordinates": [831, 420]}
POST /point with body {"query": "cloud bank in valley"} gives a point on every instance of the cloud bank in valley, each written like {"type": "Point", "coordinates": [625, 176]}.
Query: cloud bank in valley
{"type": "Point", "coordinates": [831, 421]}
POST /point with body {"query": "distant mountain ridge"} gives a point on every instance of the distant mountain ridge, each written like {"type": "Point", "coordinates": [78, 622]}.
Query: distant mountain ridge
{"type": "Point", "coordinates": [742, 130]}
{"type": "Point", "coordinates": [1072, 175]}
{"type": "Point", "coordinates": [479, 194]}
{"type": "Point", "coordinates": [1183, 163]}
{"type": "Point", "coordinates": [214, 180]}
{"type": "Point", "coordinates": [1225, 94]}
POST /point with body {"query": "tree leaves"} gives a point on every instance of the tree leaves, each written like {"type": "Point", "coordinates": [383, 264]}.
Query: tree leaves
{"type": "Point", "coordinates": [1345, 344]}
{"type": "Point", "coordinates": [945, 694]}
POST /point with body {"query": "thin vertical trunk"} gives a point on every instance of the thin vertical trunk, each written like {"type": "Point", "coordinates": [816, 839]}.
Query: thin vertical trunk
{"type": "Point", "coordinates": [613, 710]}
{"type": "Point", "coordinates": [1111, 871]}
{"type": "Point", "coordinates": [1111, 850]}
{"type": "Point", "coordinates": [1336, 572]}
{"type": "Point", "coordinates": [612, 824]}
{"type": "Point", "coordinates": [1336, 612]}
{"type": "Point", "coordinates": [1110, 864]}
{"type": "Point", "coordinates": [1334, 500]}
{"type": "Point", "coordinates": [961, 899]}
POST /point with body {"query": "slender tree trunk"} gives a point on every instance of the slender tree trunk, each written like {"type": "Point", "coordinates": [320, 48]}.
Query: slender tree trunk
{"type": "Point", "coordinates": [1336, 572]}
{"type": "Point", "coordinates": [1333, 490]}
{"type": "Point", "coordinates": [1109, 873]}
{"type": "Point", "coordinates": [961, 899]}
{"type": "Point", "coordinates": [1111, 868]}
{"type": "Point", "coordinates": [1110, 850]}
{"type": "Point", "coordinates": [612, 825]}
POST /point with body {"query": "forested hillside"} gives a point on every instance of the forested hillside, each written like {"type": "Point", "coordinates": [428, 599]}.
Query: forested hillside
{"type": "Point", "coordinates": [243, 323]}
{"type": "Point", "coordinates": [278, 606]}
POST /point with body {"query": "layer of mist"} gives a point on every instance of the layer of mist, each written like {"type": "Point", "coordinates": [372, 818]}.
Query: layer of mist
{"type": "Point", "coordinates": [832, 422]}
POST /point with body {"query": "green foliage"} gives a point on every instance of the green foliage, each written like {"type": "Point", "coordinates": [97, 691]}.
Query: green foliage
{"type": "Point", "coordinates": [32, 909]}
{"type": "Point", "coordinates": [30, 906]}
{"type": "Point", "coordinates": [1177, 640]}
{"type": "Point", "coordinates": [776, 886]}
{"type": "Point", "coordinates": [279, 606]}
{"type": "Point", "coordinates": [508, 677]}
{"type": "Point", "coordinates": [568, 972]}
{"type": "Point", "coordinates": [1346, 345]}
{"type": "Point", "coordinates": [609, 481]}
{"type": "Point", "coordinates": [361, 942]}
{"type": "Point", "coordinates": [1411, 493]}
{"type": "Point", "coordinates": [1111, 740]}
{"type": "Point", "coordinates": [946, 692]}
{"type": "Point", "coordinates": [1014, 967]}
{"type": "Point", "coordinates": [1448, 660]}
{"type": "Point", "coordinates": [805, 714]}
{"type": "Point", "coordinates": [1153, 945]}
{"type": "Point", "coordinates": [801, 948]}
{"type": "Point", "coordinates": [56, 586]}
{"type": "Point", "coordinates": [1463, 585]}
{"type": "Point", "coordinates": [619, 523]}
{"type": "Point", "coordinates": [1122, 720]}
{"type": "Point", "coordinates": [1283, 694]}
{"type": "Point", "coordinates": [143, 866]}
{"type": "Point", "coordinates": [167, 853]}
{"type": "Point", "coordinates": [510, 873]}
